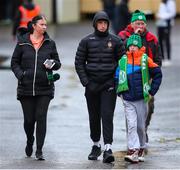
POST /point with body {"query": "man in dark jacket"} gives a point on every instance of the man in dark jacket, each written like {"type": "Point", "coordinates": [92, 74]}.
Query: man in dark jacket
{"type": "Point", "coordinates": [96, 60]}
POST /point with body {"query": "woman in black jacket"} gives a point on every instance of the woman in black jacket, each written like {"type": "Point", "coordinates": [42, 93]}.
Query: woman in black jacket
{"type": "Point", "coordinates": [35, 79]}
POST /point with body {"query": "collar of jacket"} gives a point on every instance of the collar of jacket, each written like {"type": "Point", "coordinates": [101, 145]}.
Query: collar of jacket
{"type": "Point", "coordinates": [25, 38]}
{"type": "Point", "coordinates": [101, 34]}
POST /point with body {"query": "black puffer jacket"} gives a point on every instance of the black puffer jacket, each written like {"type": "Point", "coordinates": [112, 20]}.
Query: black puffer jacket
{"type": "Point", "coordinates": [97, 55]}
{"type": "Point", "coordinates": [27, 65]}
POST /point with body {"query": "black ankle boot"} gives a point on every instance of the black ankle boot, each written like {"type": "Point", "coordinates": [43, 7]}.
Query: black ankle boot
{"type": "Point", "coordinates": [29, 150]}
{"type": "Point", "coordinates": [29, 147]}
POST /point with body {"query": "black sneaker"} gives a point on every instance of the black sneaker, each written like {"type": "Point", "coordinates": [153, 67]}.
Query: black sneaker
{"type": "Point", "coordinates": [95, 153]}
{"type": "Point", "coordinates": [39, 156]}
{"type": "Point", "coordinates": [108, 156]}
{"type": "Point", "coordinates": [29, 147]}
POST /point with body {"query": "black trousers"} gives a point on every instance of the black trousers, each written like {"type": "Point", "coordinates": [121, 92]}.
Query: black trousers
{"type": "Point", "coordinates": [101, 106]}
{"type": "Point", "coordinates": [164, 34]}
{"type": "Point", "coordinates": [35, 111]}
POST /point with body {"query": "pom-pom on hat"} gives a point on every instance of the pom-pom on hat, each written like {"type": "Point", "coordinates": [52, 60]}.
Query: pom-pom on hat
{"type": "Point", "coordinates": [135, 40]}
{"type": "Point", "coordinates": [138, 15]}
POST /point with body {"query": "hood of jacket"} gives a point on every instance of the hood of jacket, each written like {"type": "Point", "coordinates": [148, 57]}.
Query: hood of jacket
{"type": "Point", "coordinates": [101, 15]}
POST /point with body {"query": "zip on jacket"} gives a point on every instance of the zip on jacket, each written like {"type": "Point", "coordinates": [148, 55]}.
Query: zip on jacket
{"type": "Point", "coordinates": [35, 64]}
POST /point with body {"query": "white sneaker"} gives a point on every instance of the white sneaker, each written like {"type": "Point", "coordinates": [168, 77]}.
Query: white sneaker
{"type": "Point", "coordinates": [141, 155]}
{"type": "Point", "coordinates": [166, 63]}
{"type": "Point", "coordinates": [132, 156]}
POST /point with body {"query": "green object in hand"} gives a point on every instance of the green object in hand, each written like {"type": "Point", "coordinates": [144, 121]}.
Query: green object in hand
{"type": "Point", "coordinates": [53, 77]}
{"type": "Point", "coordinates": [50, 77]}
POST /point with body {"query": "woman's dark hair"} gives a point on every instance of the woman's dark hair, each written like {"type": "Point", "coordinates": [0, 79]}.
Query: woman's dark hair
{"type": "Point", "coordinates": [34, 21]}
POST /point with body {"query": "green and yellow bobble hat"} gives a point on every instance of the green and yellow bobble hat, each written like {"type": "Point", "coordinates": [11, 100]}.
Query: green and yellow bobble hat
{"type": "Point", "coordinates": [135, 40]}
{"type": "Point", "coordinates": [138, 15]}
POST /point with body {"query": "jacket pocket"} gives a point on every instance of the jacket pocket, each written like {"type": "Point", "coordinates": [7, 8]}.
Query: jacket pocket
{"type": "Point", "coordinates": [41, 78]}
{"type": "Point", "coordinates": [27, 77]}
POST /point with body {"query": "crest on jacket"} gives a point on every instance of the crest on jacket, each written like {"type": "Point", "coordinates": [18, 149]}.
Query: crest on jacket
{"type": "Point", "coordinates": [109, 44]}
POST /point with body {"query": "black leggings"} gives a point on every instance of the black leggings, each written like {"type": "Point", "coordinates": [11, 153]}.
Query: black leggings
{"type": "Point", "coordinates": [35, 111]}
